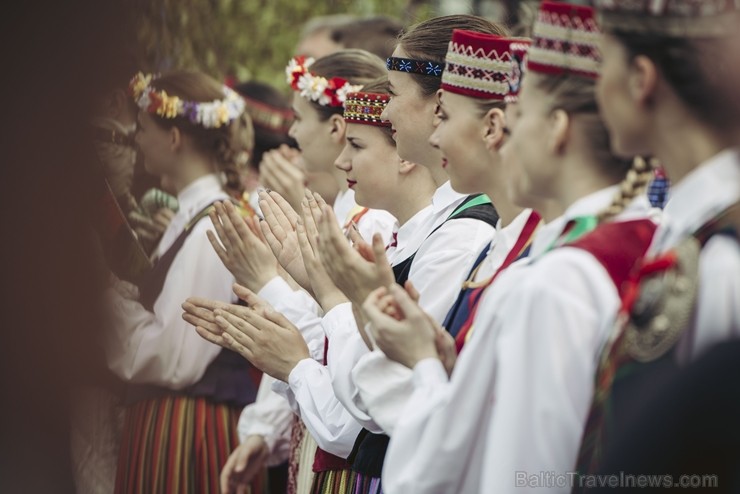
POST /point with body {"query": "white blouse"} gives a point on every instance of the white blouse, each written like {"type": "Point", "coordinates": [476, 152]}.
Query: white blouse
{"type": "Point", "coordinates": [522, 385]}
{"type": "Point", "coordinates": [694, 201]}
{"type": "Point", "coordinates": [159, 347]}
{"type": "Point", "coordinates": [265, 415]}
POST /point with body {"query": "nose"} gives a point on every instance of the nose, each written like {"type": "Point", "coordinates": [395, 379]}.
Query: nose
{"type": "Point", "coordinates": [291, 130]}
{"type": "Point", "coordinates": [434, 138]}
{"type": "Point", "coordinates": [385, 114]}
{"type": "Point", "coordinates": [343, 162]}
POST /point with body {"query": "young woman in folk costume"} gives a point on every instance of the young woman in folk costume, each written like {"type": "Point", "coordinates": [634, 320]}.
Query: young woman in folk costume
{"type": "Point", "coordinates": [319, 129]}
{"type": "Point", "coordinates": [380, 180]}
{"type": "Point", "coordinates": [436, 257]}
{"type": "Point", "coordinates": [661, 95]}
{"type": "Point", "coordinates": [436, 247]}
{"type": "Point", "coordinates": [184, 394]}
{"type": "Point", "coordinates": [517, 398]}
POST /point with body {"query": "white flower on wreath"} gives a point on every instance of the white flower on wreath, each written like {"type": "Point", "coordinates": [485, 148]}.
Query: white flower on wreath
{"type": "Point", "coordinates": [343, 91]}
{"type": "Point", "coordinates": [144, 100]}
{"type": "Point", "coordinates": [314, 88]}
{"type": "Point", "coordinates": [293, 67]}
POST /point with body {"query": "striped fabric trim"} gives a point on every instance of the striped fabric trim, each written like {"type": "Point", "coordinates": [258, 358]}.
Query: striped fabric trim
{"type": "Point", "coordinates": [177, 444]}
{"type": "Point", "coordinates": [499, 64]}
{"type": "Point", "coordinates": [334, 482]}
{"type": "Point", "coordinates": [495, 88]}
{"type": "Point", "coordinates": [568, 33]}
{"type": "Point", "coordinates": [367, 485]}
{"type": "Point", "coordinates": [561, 61]}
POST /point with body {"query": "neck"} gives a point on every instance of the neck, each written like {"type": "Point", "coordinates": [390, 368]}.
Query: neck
{"type": "Point", "coordinates": [406, 205]}
{"type": "Point", "coordinates": [578, 179]}
{"type": "Point", "coordinates": [439, 175]}
{"type": "Point", "coordinates": [188, 170]}
{"type": "Point", "coordinates": [506, 209]}
{"type": "Point", "coordinates": [682, 144]}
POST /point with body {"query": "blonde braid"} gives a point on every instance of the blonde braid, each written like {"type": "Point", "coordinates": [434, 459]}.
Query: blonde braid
{"type": "Point", "coordinates": [635, 182]}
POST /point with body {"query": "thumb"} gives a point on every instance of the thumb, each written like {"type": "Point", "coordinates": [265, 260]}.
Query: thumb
{"type": "Point", "coordinates": [247, 295]}
{"type": "Point", "coordinates": [412, 291]}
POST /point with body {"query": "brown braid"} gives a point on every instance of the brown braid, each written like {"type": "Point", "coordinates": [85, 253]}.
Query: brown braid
{"type": "Point", "coordinates": [635, 182]}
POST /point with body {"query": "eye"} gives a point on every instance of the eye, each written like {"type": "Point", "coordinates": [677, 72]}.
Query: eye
{"type": "Point", "coordinates": [354, 145]}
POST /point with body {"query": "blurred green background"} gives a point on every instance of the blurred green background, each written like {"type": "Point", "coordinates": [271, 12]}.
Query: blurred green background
{"type": "Point", "coordinates": [253, 39]}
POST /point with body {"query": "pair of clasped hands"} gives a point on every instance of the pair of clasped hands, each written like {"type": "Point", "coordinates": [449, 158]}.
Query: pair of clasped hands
{"type": "Point", "coordinates": [310, 252]}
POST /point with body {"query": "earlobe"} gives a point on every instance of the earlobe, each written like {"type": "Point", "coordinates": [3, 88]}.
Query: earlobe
{"type": "Point", "coordinates": [494, 128]}
{"type": "Point", "coordinates": [643, 80]}
{"type": "Point", "coordinates": [559, 131]}
{"type": "Point", "coordinates": [405, 167]}
{"type": "Point", "coordinates": [175, 139]}
{"type": "Point", "coordinates": [338, 128]}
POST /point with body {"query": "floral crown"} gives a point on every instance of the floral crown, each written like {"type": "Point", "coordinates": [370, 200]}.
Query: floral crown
{"type": "Point", "coordinates": [326, 92]}
{"type": "Point", "coordinates": [209, 114]}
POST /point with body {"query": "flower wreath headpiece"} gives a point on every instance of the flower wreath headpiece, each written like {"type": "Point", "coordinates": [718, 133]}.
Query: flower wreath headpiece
{"type": "Point", "coordinates": [326, 92]}
{"type": "Point", "coordinates": [209, 114]}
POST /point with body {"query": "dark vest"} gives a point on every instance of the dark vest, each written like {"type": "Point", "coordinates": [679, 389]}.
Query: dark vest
{"type": "Point", "coordinates": [368, 454]}
{"type": "Point", "coordinates": [230, 378]}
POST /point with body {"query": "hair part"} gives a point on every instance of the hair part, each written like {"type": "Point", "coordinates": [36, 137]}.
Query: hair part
{"type": "Point", "coordinates": [223, 145]}
{"type": "Point", "coordinates": [429, 40]}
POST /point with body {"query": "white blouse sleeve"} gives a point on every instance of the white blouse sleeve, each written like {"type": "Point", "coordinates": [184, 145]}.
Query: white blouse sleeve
{"type": "Point", "coordinates": [521, 389]}
{"type": "Point", "coordinates": [269, 416]}
{"type": "Point", "coordinates": [300, 309]}
{"type": "Point", "coordinates": [380, 386]}
{"type": "Point", "coordinates": [310, 393]}
{"type": "Point", "coordinates": [159, 347]}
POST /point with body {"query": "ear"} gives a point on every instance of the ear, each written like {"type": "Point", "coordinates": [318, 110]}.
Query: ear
{"type": "Point", "coordinates": [406, 167]}
{"type": "Point", "coordinates": [559, 131]}
{"type": "Point", "coordinates": [642, 80]}
{"type": "Point", "coordinates": [175, 139]}
{"type": "Point", "coordinates": [493, 131]}
{"type": "Point", "coordinates": [337, 128]}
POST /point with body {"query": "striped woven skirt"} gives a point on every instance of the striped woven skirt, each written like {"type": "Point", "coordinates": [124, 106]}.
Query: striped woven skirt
{"type": "Point", "coordinates": [334, 482]}
{"type": "Point", "coordinates": [177, 444]}
{"type": "Point", "coordinates": [367, 485]}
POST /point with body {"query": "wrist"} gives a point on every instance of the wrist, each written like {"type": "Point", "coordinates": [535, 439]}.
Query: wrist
{"type": "Point", "coordinates": [331, 299]}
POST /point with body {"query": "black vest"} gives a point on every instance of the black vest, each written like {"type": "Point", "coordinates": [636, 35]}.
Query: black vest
{"type": "Point", "coordinates": [368, 453]}
{"type": "Point", "coordinates": [228, 379]}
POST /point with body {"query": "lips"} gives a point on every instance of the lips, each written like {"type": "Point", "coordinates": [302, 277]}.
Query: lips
{"type": "Point", "coordinates": [351, 183]}
{"type": "Point", "coordinates": [444, 162]}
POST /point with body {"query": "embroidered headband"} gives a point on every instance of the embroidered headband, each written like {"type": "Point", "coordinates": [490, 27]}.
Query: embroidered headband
{"type": "Point", "coordinates": [678, 18]}
{"type": "Point", "coordinates": [478, 65]}
{"type": "Point", "coordinates": [209, 114]}
{"type": "Point", "coordinates": [326, 92]}
{"type": "Point", "coordinates": [565, 39]}
{"type": "Point", "coordinates": [519, 50]}
{"type": "Point", "coordinates": [411, 66]}
{"type": "Point", "coordinates": [365, 108]}
{"type": "Point", "coordinates": [269, 117]}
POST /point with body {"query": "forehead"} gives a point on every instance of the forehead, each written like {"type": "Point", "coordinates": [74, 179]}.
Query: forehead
{"type": "Point", "coordinates": [453, 101]}
{"type": "Point", "coordinates": [301, 104]}
{"type": "Point", "coordinates": [400, 80]}
{"type": "Point", "coordinates": [362, 131]}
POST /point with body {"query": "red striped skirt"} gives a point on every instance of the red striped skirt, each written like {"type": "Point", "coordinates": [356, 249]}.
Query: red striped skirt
{"type": "Point", "coordinates": [177, 444]}
{"type": "Point", "coordinates": [334, 482]}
